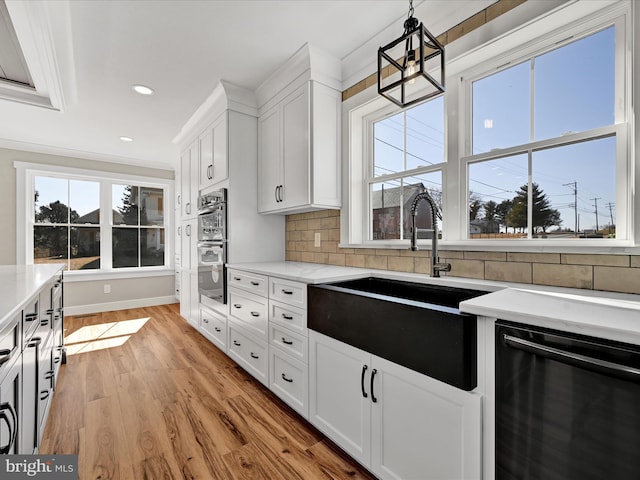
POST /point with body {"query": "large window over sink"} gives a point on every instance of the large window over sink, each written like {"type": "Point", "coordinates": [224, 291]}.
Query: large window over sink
{"type": "Point", "coordinates": [530, 148]}
{"type": "Point", "coordinates": [545, 145]}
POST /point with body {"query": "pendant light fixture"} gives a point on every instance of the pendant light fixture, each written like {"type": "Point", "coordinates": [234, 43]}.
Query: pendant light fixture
{"type": "Point", "coordinates": [411, 68]}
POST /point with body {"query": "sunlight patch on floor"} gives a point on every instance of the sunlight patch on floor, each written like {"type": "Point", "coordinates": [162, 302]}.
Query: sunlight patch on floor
{"type": "Point", "coordinates": [104, 335]}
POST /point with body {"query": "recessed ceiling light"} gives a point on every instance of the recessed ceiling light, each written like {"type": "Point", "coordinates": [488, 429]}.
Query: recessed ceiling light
{"type": "Point", "coordinates": [126, 139]}
{"type": "Point", "coordinates": [143, 90]}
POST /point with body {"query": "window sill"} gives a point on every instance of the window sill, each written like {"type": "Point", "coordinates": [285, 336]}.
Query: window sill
{"type": "Point", "coordinates": [586, 246]}
{"type": "Point", "coordinates": [71, 276]}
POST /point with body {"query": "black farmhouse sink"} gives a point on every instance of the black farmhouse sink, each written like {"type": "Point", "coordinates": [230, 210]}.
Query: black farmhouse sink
{"type": "Point", "coordinates": [415, 325]}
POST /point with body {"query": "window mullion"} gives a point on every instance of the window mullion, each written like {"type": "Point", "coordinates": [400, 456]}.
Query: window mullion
{"type": "Point", "coordinates": [106, 225]}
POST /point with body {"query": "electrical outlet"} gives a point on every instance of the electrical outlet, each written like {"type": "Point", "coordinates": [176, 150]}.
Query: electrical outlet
{"type": "Point", "coordinates": [107, 288]}
{"type": "Point", "coordinates": [317, 240]}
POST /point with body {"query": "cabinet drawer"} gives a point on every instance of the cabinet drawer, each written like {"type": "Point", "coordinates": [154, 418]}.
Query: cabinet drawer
{"type": "Point", "coordinates": [293, 318]}
{"type": "Point", "coordinates": [10, 343]}
{"type": "Point", "coordinates": [30, 318]}
{"type": "Point", "coordinates": [251, 282]}
{"type": "Point", "coordinates": [250, 310]}
{"type": "Point", "coordinates": [249, 353]}
{"type": "Point", "coordinates": [291, 293]}
{"type": "Point", "coordinates": [214, 326]}
{"type": "Point", "coordinates": [292, 343]}
{"type": "Point", "coordinates": [288, 378]}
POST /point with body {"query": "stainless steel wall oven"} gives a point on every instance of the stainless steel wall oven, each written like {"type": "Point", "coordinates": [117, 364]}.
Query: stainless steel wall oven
{"type": "Point", "coordinates": [212, 247]}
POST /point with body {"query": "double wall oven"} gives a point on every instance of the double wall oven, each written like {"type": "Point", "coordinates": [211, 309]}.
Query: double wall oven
{"type": "Point", "coordinates": [212, 247]}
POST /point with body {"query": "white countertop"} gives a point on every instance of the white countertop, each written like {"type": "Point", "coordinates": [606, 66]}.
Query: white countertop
{"type": "Point", "coordinates": [603, 314]}
{"type": "Point", "coordinates": [18, 283]}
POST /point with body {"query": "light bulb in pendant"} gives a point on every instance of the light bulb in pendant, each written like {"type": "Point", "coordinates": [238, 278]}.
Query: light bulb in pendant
{"type": "Point", "coordinates": [411, 65]}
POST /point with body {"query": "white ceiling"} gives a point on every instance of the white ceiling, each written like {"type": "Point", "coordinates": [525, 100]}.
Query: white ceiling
{"type": "Point", "coordinates": [99, 49]}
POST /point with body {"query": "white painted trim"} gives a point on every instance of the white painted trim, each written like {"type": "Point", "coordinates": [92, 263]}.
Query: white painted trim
{"type": "Point", "coordinates": [225, 96]}
{"type": "Point", "coordinates": [309, 62]}
{"type": "Point", "coordinates": [73, 276]}
{"type": "Point", "coordinates": [121, 305]}
{"type": "Point", "coordinates": [33, 28]}
{"type": "Point", "coordinates": [82, 154]}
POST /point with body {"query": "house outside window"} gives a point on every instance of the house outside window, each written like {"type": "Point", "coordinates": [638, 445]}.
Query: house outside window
{"type": "Point", "coordinates": [408, 155]}
{"type": "Point", "coordinates": [97, 223]}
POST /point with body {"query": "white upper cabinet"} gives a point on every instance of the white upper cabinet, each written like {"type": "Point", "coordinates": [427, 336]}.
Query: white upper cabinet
{"type": "Point", "coordinates": [188, 180]}
{"type": "Point", "coordinates": [214, 167]}
{"type": "Point", "coordinates": [298, 135]}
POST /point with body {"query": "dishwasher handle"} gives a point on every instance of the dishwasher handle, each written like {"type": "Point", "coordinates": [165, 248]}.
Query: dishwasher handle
{"type": "Point", "coordinates": [597, 365]}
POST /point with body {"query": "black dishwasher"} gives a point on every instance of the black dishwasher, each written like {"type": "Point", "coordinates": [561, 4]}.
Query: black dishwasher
{"type": "Point", "coordinates": [567, 406]}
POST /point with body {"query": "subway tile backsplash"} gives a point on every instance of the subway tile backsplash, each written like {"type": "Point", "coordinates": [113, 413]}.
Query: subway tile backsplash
{"type": "Point", "coordinates": [607, 272]}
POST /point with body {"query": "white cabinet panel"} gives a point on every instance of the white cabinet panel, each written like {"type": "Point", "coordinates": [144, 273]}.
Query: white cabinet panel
{"type": "Point", "coordinates": [288, 379]}
{"type": "Point", "coordinates": [249, 310]}
{"type": "Point", "coordinates": [299, 150]}
{"type": "Point", "coordinates": [213, 166]}
{"type": "Point", "coordinates": [396, 422]}
{"type": "Point", "coordinates": [270, 161]}
{"type": "Point", "coordinates": [337, 377]}
{"type": "Point", "coordinates": [251, 282]}
{"type": "Point", "coordinates": [423, 428]}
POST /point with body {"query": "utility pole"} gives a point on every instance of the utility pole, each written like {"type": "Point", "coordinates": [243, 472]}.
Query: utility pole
{"type": "Point", "coordinates": [595, 200]}
{"type": "Point", "coordinates": [610, 207]}
{"type": "Point", "coordinates": [574, 185]}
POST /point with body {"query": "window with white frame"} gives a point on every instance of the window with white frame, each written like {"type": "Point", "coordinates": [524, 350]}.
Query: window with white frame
{"type": "Point", "coordinates": [545, 143]}
{"type": "Point", "coordinates": [407, 159]}
{"type": "Point", "coordinates": [95, 223]}
{"type": "Point", "coordinates": [538, 146]}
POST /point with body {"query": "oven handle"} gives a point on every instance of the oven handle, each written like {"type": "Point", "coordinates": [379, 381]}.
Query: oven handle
{"type": "Point", "coordinates": [575, 359]}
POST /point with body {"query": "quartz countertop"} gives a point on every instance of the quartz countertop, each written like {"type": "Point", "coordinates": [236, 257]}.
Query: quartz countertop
{"type": "Point", "coordinates": [320, 273]}
{"type": "Point", "coordinates": [603, 314]}
{"type": "Point", "coordinates": [18, 283]}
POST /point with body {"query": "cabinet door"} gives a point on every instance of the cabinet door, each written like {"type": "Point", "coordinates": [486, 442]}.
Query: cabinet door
{"type": "Point", "coordinates": [10, 408]}
{"type": "Point", "coordinates": [30, 392]}
{"type": "Point", "coordinates": [423, 428]}
{"type": "Point", "coordinates": [269, 161]}
{"type": "Point", "coordinates": [205, 164]}
{"type": "Point", "coordinates": [220, 170]}
{"type": "Point", "coordinates": [185, 299]}
{"type": "Point", "coordinates": [338, 382]}
{"type": "Point", "coordinates": [295, 149]}
{"type": "Point", "coordinates": [194, 300]}
{"type": "Point", "coordinates": [189, 179]}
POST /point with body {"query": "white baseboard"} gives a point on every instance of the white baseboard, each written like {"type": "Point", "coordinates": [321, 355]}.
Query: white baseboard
{"type": "Point", "coordinates": [121, 305]}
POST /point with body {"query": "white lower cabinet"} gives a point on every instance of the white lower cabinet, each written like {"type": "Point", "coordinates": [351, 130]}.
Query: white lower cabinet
{"type": "Point", "coordinates": [398, 423]}
{"type": "Point", "coordinates": [213, 326]}
{"type": "Point", "coordinates": [249, 352]}
{"type": "Point", "coordinates": [288, 379]}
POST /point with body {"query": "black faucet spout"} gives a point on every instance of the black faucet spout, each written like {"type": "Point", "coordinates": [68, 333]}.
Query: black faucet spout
{"type": "Point", "coordinates": [436, 266]}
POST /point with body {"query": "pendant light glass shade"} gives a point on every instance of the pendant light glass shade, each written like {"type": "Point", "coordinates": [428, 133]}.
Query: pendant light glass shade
{"type": "Point", "coordinates": [411, 68]}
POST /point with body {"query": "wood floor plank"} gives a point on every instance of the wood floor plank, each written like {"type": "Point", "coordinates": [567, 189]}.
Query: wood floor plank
{"type": "Point", "coordinates": [159, 401]}
{"type": "Point", "coordinates": [107, 457]}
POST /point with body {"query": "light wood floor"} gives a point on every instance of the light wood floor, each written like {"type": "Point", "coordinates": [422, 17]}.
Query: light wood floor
{"type": "Point", "coordinates": [148, 397]}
